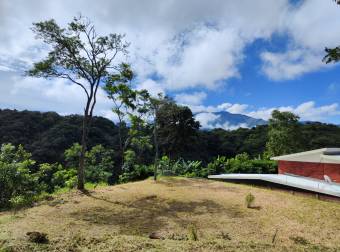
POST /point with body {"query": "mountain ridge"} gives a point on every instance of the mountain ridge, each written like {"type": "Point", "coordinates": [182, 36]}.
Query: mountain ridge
{"type": "Point", "coordinates": [227, 120]}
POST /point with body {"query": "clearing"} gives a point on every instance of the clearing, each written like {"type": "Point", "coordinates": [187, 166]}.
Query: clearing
{"type": "Point", "coordinates": [121, 218]}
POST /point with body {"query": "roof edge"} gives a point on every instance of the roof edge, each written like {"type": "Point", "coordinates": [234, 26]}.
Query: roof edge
{"type": "Point", "coordinates": [321, 151]}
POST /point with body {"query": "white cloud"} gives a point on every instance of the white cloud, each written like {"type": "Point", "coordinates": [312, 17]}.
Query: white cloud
{"type": "Point", "coordinates": [310, 27]}
{"type": "Point", "coordinates": [307, 111]}
{"type": "Point", "coordinates": [228, 126]}
{"type": "Point", "coordinates": [233, 108]}
{"type": "Point", "coordinates": [291, 64]}
{"type": "Point", "coordinates": [206, 119]}
{"type": "Point", "coordinates": [195, 98]}
{"type": "Point", "coordinates": [186, 43]}
{"type": "Point", "coordinates": [153, 87]}
{"type": "Point", "coordinates": [54, 95]}
{"type": "Point", "coordinates": [209, 120]}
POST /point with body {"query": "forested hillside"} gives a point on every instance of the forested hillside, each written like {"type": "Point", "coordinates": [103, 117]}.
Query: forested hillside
{"type": "Point", "coordinates": [47, 135]}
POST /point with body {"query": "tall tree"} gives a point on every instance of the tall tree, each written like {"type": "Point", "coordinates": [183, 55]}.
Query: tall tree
{"type": "Point", "coordinates": [124, 98]}
{"type": "Point", "coordinates": [82, 57]}
{"type": "Point", "coordinates": [177, 129]}
{"type": "Point", "coordinates": [155, 104]}
{"type": "Point", "coordinates": [284, 135]}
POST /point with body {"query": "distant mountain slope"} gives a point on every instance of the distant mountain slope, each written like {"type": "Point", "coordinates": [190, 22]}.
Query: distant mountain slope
{"type": "Point", "coordinates": [226, 120]}
{"type": "Point", "coordinates": [46, 134]}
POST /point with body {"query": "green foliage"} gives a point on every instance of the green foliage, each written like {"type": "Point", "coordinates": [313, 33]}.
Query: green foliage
{"type": "Point", "coordinates": [177, 129]}
{"type": "Point", "coordinates": [99, 164]}
{"type": "Point", "coordinates": [249, 200]}
{"type": "Point", "coordinates": [21, 201]}
{"type": "Point", "coordinates": [50, 176]}
{"type": "Point", "coordinates": [180, 167]}
{"type": "Point", "coordinates": [241, 163]}
{"type": "Point", "coordinates": [217, 166]}
{"type": "Point", "coordinates": [139, 172]}
{"type": "Point", "coordinates": [133, 171]}
{"type": "Point", "coordinates": [16, 177]}
{"type": "Point", "coordinates": [284, 135]}
{"type": "Point", "coordinates": [47, 135]}
{"type": "Point", "coordinates": [64, 177]}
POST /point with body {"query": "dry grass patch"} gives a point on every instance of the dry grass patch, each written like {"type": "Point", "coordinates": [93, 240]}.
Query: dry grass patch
{"type": "Point", "coordinates": [183, 214]}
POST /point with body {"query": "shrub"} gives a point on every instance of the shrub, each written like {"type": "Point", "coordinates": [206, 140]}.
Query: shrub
{"type": "Point", "coordinates": [192, 232]}
{"type": "Point", "coordinates": [64, 177]}
{"type": "Point", "coordinates": [250, 198]}
{"type": "Point", "coordinates": [99, 164]}
{"type": "Point", "coordinates": [217, 166]}
{"type": "Point", "coordinates": [47, 177]}
{"type": "Point", "coordinates": [241, 163]}
{"type": "Point", "coordinates": [16, 177]}
{"type": "Point", "coordinates": [180, 167]}
{"type": "Point", "coordinates": [138, 172]}
{"type": "Point", "coordinates": [299, 240]}
{"type": "Point", "coordinates": [20, 201]}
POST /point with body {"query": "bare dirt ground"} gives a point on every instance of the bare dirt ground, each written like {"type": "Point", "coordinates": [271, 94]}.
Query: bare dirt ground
{"type": "Point", "coordinates": [174, 210]}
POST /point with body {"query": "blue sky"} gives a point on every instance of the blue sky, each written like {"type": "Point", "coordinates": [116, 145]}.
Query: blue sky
{"type": "Point", "coordinates": [255, 88]}
{"type": "Point", "coordinates": [246, 56]}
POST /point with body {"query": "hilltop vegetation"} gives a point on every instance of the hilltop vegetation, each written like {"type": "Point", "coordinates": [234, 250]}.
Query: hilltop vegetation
{"type": "Point", "coordinates": [184, 214]}
{"type": "Point", "coordinates": [47, 135]}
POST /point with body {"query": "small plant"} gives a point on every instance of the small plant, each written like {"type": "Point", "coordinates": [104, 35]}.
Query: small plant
{"type": "Point", "coordinates": [250, 198]}
{"type": "Point", "coordinates": [299, 240]}
{"type": "Point", "coordinates": [192, 235]}
{"type": "Point", "coordinates": [225, 236]}
{"type": "Point", "coordinates": [37, 237]}
{"type": "Point", "coordinates": [19, 202]}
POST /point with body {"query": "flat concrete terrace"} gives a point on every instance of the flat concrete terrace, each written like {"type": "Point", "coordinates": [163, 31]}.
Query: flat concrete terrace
{"type": "Point", "coordinates": [309, 184]}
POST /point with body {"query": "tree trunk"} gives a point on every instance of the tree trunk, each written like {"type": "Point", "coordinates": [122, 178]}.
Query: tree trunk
{"type": "Point", "coordinates": [121, 147]}
{"type": "Point", "coordinates": [81, 167]}
{"type": "Point", "coordinates": [156, 148]}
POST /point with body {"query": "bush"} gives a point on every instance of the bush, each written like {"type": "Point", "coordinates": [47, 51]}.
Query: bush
{"type": "Point", "coordinates": [217, 166]}
{"type": "Point", "coordinates": [180, 167]}
{"type": "Point", "coordinates": [17, 181]}
{"type": "Point", "coordinates": [241, 163]}
{"type": "Point", "coordinates": [139, 172]}
{"type": "Point", "coordinates": [64, 177]}
{"type": "Point", "coordinates": [20, 201]}
{"type": "Point", "coordinates": [99, 164]}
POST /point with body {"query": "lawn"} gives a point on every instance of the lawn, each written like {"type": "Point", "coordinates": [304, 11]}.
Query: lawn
{"type": "Point", "coordinates": [184, 214]}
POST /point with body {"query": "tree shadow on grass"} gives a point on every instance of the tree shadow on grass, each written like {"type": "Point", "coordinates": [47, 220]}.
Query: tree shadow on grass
{"type": "Point", "coordinates": [151, 213]}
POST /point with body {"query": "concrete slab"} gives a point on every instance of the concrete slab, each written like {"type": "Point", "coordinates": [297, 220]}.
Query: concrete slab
{"type": "Point", "coordinates": [304, 183]}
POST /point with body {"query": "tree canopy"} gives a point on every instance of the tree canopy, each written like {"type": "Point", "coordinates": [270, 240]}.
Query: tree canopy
{"type": "Point", "coordinates": [284, 136]}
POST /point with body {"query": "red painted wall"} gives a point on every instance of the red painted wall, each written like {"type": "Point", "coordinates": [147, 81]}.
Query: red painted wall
{"type": "Point", "coordinates": [313, 170]}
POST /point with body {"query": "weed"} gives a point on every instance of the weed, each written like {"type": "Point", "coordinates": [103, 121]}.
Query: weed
{"type": "Point", "coordinates": [250, 198]}
{"type": "Point", "coordinates": [192, 232]}
{"type": "Point", "coordinates": [299, 240]}
{"type": "Point", "coordinates": [37, 237]}
{"type": "Point", "coordinates": [225, 236]}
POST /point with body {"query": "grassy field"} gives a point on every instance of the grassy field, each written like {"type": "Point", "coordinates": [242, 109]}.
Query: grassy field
{"type": "Point", "coordinates": [177, 211]}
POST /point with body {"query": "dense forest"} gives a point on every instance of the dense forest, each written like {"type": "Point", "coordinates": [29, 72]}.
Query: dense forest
{"type": "Point", "coordinates": [46, 135]}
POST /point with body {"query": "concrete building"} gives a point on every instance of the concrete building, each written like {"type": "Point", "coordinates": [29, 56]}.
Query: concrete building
{"type": "Point", "coordinates": [319, 164]}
